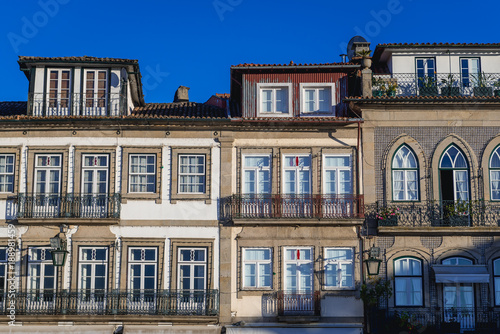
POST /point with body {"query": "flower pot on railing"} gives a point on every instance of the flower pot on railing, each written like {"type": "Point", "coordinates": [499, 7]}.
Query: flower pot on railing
{"type": "Point", "coordinates": [497, 92]}
{"type": "Point", "coordinates": [389, 221]}
{"type": "Point", "coordinates": [459, 220]}
{"type": "Point", "coordinates": [450, 91]}
{"type": "Point", "coordinates": [378, 93]}
{"type": "Point", "coordinates": [483, 91]}
{"type": "Point", "coordinates": [428, 91]}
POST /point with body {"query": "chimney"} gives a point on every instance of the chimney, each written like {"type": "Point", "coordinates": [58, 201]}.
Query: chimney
{"type": "Point", "coordinates": [181, 94]}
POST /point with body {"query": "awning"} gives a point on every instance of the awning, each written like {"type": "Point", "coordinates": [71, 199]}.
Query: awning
{"type": "Point", "coordinates": [296, 330]}
{"type": "Point", "coordinates": [136, 329]}
{"type": "Point", "coordinates": [461, 274]}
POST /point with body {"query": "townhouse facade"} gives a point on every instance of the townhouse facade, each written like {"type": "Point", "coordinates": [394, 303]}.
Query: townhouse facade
{"type": "Point", "coordinates": [127, 191]}
{"type": "Point", "coordinates": [431, 144]}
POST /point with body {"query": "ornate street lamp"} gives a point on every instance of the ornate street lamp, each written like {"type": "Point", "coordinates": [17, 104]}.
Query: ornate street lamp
{"type": "Point", "coordinates": [373, 263]}
{"type": "Point", "coordinates": [58, 251]}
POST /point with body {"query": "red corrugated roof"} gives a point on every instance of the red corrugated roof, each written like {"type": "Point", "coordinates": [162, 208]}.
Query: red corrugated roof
{"type": "Point", "coordinates": [384, 45]}
{"type": "Point", "coordinates": [291, 64]}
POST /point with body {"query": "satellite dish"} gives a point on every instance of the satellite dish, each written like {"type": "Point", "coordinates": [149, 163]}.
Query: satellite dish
{"type": "Point", "coordinates": [350, 46]}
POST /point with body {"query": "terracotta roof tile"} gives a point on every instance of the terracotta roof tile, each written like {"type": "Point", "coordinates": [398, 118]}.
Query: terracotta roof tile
{"type": "Point", "coordinates": [10, 108]}
{"type": "Point", "coordinates": [180, 110]}
{"type": "Point", "coordinates": [223, 95]}
{"type": "Point", "coordinates": [383, 45]}
{"type": "Point", "coordinates": [291, 64]}
{"type": "Point", "coordinates": [452, 99]}
{"type": "Point", "coordinates": [77, 59]}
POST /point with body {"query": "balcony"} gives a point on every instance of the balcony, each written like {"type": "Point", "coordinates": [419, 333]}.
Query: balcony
{"type": "Point", "coordinates": [439, 84]}
{"type": "Point", "coordinates": [70, 206]}
{"type": "Point", "coordinates": [278, 206]}
{"type": "Point", "coordinates": [452, 320]}
{"type": "Point", "coordinates": [98, 302]}
{"type": "Point", "coordinates": [292, 304]}
{"type": "Point", "coordinates": [76, 104]}
{"type": "Point", "coordinates": [453, 215]}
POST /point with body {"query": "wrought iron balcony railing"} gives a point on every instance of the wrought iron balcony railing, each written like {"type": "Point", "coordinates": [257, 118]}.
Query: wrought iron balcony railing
{"type": "Point", "coordinates": [99, 302]}
{"type": "Point", "coordinates": [289, 303]}
{"type": "Point", "coordinates": [76, 104]}
{"type": "Point", "coordinates": [456, 319]}
{"type": "Point", "coordinates": [438, 84]}
{"type": "Point", "coordinates": [436, 213]}
{"type": "Point", "coordinates": [267, 206]}
{"type": "Point", "coordinates": [68, 206]}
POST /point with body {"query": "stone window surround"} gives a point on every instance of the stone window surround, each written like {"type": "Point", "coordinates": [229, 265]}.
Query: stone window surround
{"type": "Point", "coordinates": [174, 186]}
{"type": "Point", "coordinates": [30, 165]}
{"type": "Point", "coordinates": [80, 151]}
{"type": "Point", "coordinates": [17, 161]}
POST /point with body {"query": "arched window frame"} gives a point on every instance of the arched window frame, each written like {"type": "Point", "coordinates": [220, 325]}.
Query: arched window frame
{"type": "Point", "coordinates": [494, 175]}
{"type": "Point", "coordinates": [413, 294]}
{"type": "Point", "coordinates": [458, 258]}
{"type": "Point", "coordinates": [456, 170]}
{"type": "Point", "coordinates": [406, 172]}
{"type": "Point", "coordinates": [496, 280]}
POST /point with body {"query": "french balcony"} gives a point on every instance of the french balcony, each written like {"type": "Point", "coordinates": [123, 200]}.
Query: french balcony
{"type": "Point", "coordinates": [435, 320]}
{"type": "Point", "coordinates": [457, 216]}
{"type": "Point", "coordinates": [437, 84]}
{"type": "Point", "coordinates": [76, 104]}
{"type": "Point", "coordinates": [290, 207]}
{"type": "Point", "coordinates": [114, 303]}
{"type": "Point", "coordinates": [55, 207]}
{"type": "Point", "coordinates": [292, 304]}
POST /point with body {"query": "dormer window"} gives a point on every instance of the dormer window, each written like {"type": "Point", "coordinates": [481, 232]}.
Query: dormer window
{"type": "Point", "coordinates": [274, 99]}
{"type": "Point", "coordinates": [59, 92]}
{"type": "Point", "coordinates": [96, 91]}
{"type": "Point", "coordinates": [317, 97]}
{"type": "Point", "coordinates": [469, 70]}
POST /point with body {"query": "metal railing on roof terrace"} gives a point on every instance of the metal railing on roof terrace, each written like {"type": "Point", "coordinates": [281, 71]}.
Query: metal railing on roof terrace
{"type": "Point", "coordinates": [76, 104]}
{"type": "Point", "coordinates": [437, 84]}
{"type": "Point", "coordinates": [436, 213]}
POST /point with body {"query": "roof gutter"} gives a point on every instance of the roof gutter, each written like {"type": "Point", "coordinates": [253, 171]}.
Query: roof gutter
{"type": "Point", "coordinates": [286, 67]}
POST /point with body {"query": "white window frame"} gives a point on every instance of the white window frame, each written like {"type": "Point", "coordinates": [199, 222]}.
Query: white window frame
{"type": "Point", "coordinates": [317, 86]}
{"type": "Point", "coordinates": [95, 169]}
{"type": "Point", "coordinates": [257, 264]}
{"type": "Point", "coordinates": [298, 262]}
{"type": "Point", "coordinates": [180, 174]}
{"type": "Point", "coordinates": [457, 170]}
{"type": "Point", "coordinates": [142, 263]}
{"type": "Point", "coordinates": [146, 174]}
{"type": "Point", "coordinates": [47, 170]}
{"type": "Point", "coordinates": [496, 153]}
{"type": "Point", "coordinates": [407, 280]}
{"type": "Point", "coordinates": [95, 95]}
{"type": "Point", "coordinates": [337, 170]}
{"type": "Point", "coordinates": [406, 171]}
{"type": "Point", "coordinates": [5, 175]}
{"type": "Point", "coordinates": [192, 264]}
{"type": "Point", "coordinates": [496, 279]}
{"type": "Point", "coordinates": [257, 170]}
{"type": "Point", "coordinates": [261, 86]}
{"type": "Point", "coordinates": [58, 108]}
{"type": "Point", "coordinates": [43, 262]}
{"type": "Point", "coordinates": [93, 263]}
{"type": "Point", "coordinates": [296, 169]}
{"type": "Point", "coordinates": [471, 76]}
{"type": "Point", "coordinates": [5, 264]}
{"type": "Point", "coordinates": [339, 264]}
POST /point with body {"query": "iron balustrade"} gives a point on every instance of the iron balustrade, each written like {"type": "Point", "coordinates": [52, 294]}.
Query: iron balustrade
{"type": "Point", "coordinates": [268, 206]}
{"type": "Point", "coordinates": [436, 213]}
{"type": "Point", "coordinates": [76, 104]}
{"type": "Point", "coordinates": [292, 303]}
{"type": "Point", "coordinates": [439, 84]}
{"type": "Point", "coordinates": [127, 302]}
{"type": "Point", "coordinates": [420, 319]}
{"type": "Point", "coordinates": [68, 206]}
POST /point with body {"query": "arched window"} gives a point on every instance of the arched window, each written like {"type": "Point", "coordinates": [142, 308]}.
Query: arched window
{"type": "Point", "coordinates": [454, 175]}
{"type": "Point", "coordinates": [404, 175]}
{"type": "Point", "coordinates": [496, 274]}
{"type": "Point", "coordinates": [408, 282]}
{"type": "Point", "coordinates": [457, 261]}
{"type": "Point", "coordinates": [495, 174]}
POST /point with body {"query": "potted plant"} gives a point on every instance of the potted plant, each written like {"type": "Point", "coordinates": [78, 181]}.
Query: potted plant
{"type": "Point", "coordinates": [497, 91]}
{"type": "Point", "coordinates": [372, 291]}
{"type": "Point", "coordinates": [391, 88]}
{"type": "Point", "coordinates": [365, 54]}
{"type": "Point", "coordinates": [427, 86]}
{"type": "Point", "coordinates": [449, 88]}
{"type": "Point", "coordinates": [458, 213]}
{"type": "Point", "coordinates": [378, 86]}
{"type": "Point", "coordinates": [481, 88]}
{"type": "Point", "coordinates": [388, 216]}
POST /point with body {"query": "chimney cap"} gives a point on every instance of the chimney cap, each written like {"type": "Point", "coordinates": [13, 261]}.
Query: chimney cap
{"type": "Point", "coordinates": [181, 94]}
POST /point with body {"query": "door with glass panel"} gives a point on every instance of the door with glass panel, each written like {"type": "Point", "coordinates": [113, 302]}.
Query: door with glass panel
{"type": "Point", "coordinates": [95, 198]}
{"type": "Point", "coordinates": [338, 199]}
{"type": "Point", "coordinates": [41, 280]}
{"type": "Point", "coordinates": [3, 276]}
{"type": "Point", "coordinates": [47, 186]}
{"type": "Point", "coordinates": [426, 75]}
{"type": "Point", "coordinates": [298, 295]}
{"type": "Point", "coordinates": [142, 273]}
{"type": "Point", "coordinates": [59, 93]}
{"type": "Point", "coordinates": [458, 298]}
{"type": "Point", "coordinates": [95, 96]}
{"type": "Point", "coordinates": [297, 199]}
{"type": "Point", "coordinates": [470, 72]}
{"type": "Point", "coordinates": [192, 280]}
{"type": "Point", "coordinates": [93, 276]}
{"type": "Point", "coordinates": [256, 192]}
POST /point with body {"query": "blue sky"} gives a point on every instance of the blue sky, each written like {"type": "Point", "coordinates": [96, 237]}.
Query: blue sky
{"type": "Point", "coordinates": [194, 42]}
